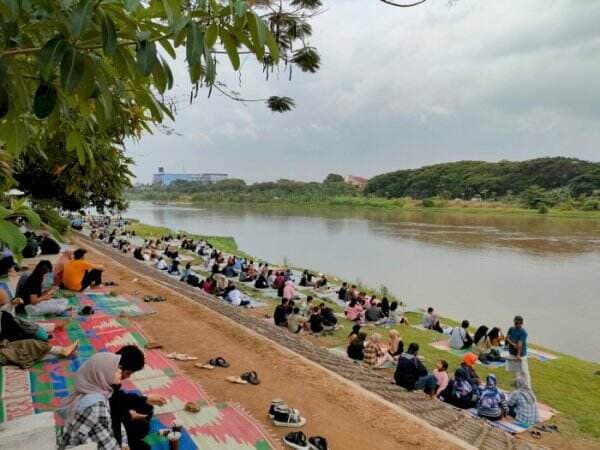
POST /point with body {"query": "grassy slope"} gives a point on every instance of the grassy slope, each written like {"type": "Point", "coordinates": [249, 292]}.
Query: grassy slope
{"type": "Point", "coordinates": [567, 384]}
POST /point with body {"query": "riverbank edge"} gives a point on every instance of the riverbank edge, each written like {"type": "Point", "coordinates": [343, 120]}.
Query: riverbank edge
{"type": "Point", "coordinates": [571, 408]}
{"type": "Point", "coordinates": [395, 206]}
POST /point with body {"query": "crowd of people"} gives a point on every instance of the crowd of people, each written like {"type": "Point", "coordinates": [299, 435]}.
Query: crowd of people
{"type": "Point", "coordinates": [464, 390]}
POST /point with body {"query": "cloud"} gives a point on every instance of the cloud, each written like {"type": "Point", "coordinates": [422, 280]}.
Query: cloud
{"type": "Point", "coordinates": [401, 88]}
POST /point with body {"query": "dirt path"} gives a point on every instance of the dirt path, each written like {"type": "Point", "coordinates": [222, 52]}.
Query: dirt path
{"type": "Point", "coordinates": [348, 416]}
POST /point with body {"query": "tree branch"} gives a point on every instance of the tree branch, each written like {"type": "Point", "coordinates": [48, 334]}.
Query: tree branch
{"type": "Point", "coordinates": [403, 5]}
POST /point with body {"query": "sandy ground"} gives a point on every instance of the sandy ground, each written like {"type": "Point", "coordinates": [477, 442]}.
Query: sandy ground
{"type": "Point", "coordinates": [347, 417]}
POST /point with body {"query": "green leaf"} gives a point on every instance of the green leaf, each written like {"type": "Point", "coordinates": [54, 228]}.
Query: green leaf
{"type": "Point", "coordinates": [229, 43]}
{"type": "Point", "coordinates": [75, 142]}
{"type": "Point", "coordinates": [257, 34]}
{"type": "Point", "coordinates": [15, 138]}
{"type": "Point", "coordinates": [71, 69]}
{"type": "Point", "coordinates": [195, 72]}
{"type": "Point", "coordinates": [81, 17]}
{"type": "Point", "coordinates": [194, 43]}
{"type": "Point", "coordinates": [272, 44]}
{"type": "Point", "coordinates": [81, 155]}
{"type": "Point", "coordinates": [11, 236]}
{"type": "Point", "coordinates": [146, 57]}
{"type": "Point", "coordinates": [211, 69]}
{"type": "Point", "coordinates": [168, 74]}
{"type": "Point", "coordinates": [148, 101]}
{"type": "Point", "coordinates": [159, 77]}
{"type": "Point", "coordinates": [4, 102]}
{"type": "Point", "coordinates": [166, 44]}
{"type": "Point", "coordinates": [172, 10]}
{"type": "Point", "coordinates": [109, 35]}
{"type": "Point", "coordinates": [44, 100]}
{"type": "Point", "coordinates": [50, 55]}
{"type": "Point", "coordinates": [211, 35]}
{"type": "Point", "coordinates": [132, 5]}
{"type": "Point", "coordinates": [88, 83]}
{"type": "Point", "coordinates": [240, 7]}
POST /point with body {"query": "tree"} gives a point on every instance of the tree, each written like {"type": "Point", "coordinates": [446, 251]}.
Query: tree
{"type": "Point", "coordinates": [334, 178]}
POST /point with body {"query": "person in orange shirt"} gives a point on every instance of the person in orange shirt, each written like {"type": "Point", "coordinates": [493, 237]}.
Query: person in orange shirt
{"type": "Point", "coordinates": [78, 273]}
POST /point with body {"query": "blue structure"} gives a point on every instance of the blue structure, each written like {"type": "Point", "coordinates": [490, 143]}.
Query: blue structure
{"type": "Point", "coordinates": [164, 179]}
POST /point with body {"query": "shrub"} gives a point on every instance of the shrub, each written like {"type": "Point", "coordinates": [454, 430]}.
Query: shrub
{"type": "Point", "coordinates": [542, 208]}
{"type": "Point", "coordinates": [54, 220]}
{"type": "Point", "coordinates": [428, 203]}
{"type": "Point", "coordinates": [591, 205]}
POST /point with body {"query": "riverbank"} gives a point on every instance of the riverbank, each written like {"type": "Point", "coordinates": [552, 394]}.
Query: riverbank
{"type": "Point", "coordinates": [387, 205]}
{"type": "Point", "coordinates": [566, 384]}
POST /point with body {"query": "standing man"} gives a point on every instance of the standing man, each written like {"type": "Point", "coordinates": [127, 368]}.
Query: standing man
{"type": "Point", "coordinates": [516, 339]}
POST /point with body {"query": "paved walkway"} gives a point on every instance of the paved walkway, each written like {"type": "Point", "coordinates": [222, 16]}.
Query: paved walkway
{"type": "Point", "coordinates": [475, 432]}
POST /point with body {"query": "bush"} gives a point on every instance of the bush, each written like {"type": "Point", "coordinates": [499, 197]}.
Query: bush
{"type": "Point", "coordinates": [591, 205]}
{"type": "Point", "coordinates": [54, 220]}
{"type": "Point", "coordinates": [428, 203]}
{"type": "Point", "coordinates": [542, 208]}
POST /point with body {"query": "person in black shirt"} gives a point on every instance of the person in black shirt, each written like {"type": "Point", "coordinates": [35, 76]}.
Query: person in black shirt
{"type": "Point", "coordinates": [409, 368]}
{"type": "Point", "coordinates": [342, 292]}
{"type": "Point", "coordinates": [49, 246]}
{"type": "Point", "coordinates": [129, 409]}
{"type": "Point", "coordinates": [281, 313]}
{"type": "Point", "coordinates": [316, 320]}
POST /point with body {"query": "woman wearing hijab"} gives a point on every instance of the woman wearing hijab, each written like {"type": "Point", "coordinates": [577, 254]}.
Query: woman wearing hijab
{"type": "Point", "coordinates": [522, 404]}
{"type": "Point", "coordinates": [492, 403]}
{"type": "Point", "coordinates": [86, 411]}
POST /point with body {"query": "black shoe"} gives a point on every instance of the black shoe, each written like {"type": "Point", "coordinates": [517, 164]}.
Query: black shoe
{"type": "Point", "coordinates": [296, 440]}
{"type": "Point", "coordinates": [275, 402]}
{"type": "Point", "coordinates": [286, 417]}
{"type": "Point", "coordinates": [317, 443]}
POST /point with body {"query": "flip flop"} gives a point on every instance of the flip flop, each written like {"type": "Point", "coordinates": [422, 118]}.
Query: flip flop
{"type": "Point", "coordinates": [535, 434]}
{"type": "Point", "coordinates": [191, 407]}
{"type": "Point", "coordinates": [236, 380]}
{"type": "Point", "coordinates": [250, 377]}
{"type": "Point", "coordinates": [219, 361]}
{"type": "Point", "coordinates": [181, 357]}
{"type": "Point", "coordinates": [153, 345]}
{"type": "Point", "coordinates": [204, 366]}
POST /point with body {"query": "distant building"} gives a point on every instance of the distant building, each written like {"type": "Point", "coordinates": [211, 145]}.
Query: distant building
{"type": "Point", "coordinates": [164, 179]}
{"type": "Point", "coordinates": [356, 181]}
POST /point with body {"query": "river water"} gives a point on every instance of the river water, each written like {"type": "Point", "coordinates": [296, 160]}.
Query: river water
{"type": "Point", "coordinates": [480, 267]}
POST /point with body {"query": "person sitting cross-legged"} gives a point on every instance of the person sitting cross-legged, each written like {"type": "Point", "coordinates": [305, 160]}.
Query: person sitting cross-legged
{"type": "Point", "coordinates": [409, 368]}
{"type": "Point", "coordinates": [80, 274]}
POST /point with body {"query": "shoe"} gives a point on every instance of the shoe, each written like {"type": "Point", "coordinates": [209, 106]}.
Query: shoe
{"type": "Point", "coordinates": [286, 417]}
{"type": "Point", "coordinates": [296, 439]}
{"type": "Point", "coordinates": [317, 443]}
{"type": "Point", "coordinates": [275, 402]}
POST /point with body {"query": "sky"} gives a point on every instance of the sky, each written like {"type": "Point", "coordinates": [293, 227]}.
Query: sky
{"type": "Point", "coordinates": [401, 88]}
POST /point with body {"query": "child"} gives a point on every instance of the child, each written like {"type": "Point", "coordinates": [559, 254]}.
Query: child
{"type": "Point", "coordinates": [436, 382]}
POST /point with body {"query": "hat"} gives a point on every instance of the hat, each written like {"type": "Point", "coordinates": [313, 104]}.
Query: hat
{"type": "Point", "coordinates": [470, 359]}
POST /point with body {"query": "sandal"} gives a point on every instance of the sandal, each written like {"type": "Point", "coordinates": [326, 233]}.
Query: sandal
{"type": "Point", "coordinates": [191, 407]}
{"type": "Point", "coordinates": [219, 361]}
{"type": "Point", "coordinates": [204, 366]}
{"type": "Point", "coordinates": [181, 357]}
{"type": "Point", "coordinates": [236, 380]}
{"type": "Point", "coordinates": [250, 377]}
{"type": "Point", "coordinates": [535, 434]}
{"type": "Point", "coordinates": [153, 345]}
{"type": "Point", "coordinates": [87, 311]}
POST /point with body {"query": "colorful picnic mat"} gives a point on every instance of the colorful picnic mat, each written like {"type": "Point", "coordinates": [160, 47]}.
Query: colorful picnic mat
{"type": "Point", "coordinates": [44, 386]}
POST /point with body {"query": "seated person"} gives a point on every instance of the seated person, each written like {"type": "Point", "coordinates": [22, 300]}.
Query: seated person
{"type": "Point", "coordinates": [353, 311]}
{"type": "Point", "coordinates": [316, 321]}
{"type": "Point", "coordinates": [306, 279]}
{"type": "Point", "coordinates": [289, 290]}
{"type": "Point", "coordinates": [48, 245]}
{"type": "Point", "coordinates": [261, 282]}
{"type": "Point", "coordinates": [129, 410]}
{"type": "Point", "coordinates": [321, 282]}
{"type": "Point", "coordinates": [396, 316]}
{"type": "Point", "coordinates": [492, 403]}
{"type": "Point", "coordinates": [468, 372]}
{"type": "Point", "coordinates": [279, 281]}
{"type": "Point", "coordinates": [215, 268]}
{"type": "Point", "coordinates": [79, 273]}
{"type": "Point", "coordinates": [356, 347]}
{"type": "Point", "coordinates": [306, 306]}
{"type": "Point", "coordinates": [431, 321]}
{"type": "Point", "coordinates": [395, 344]}
{"type": "Point", "coordinates": [209, 285]}
{"type": "Point", "coordinates": [188, 276]}
{"type": "Point", "coordinates": [7, 262]}
{"type": "Point", "coordinates": [271, 278]}
{"type": "Point", "coordinates": [329, 318]}
{"type": "Point", "coordinates": [373, 313]}
{"type": "Point", "coordinates": [174, 267]}
{"type": "Point", "coordinates": [385, 307]}
{"type": "Point", "coordinates": [229, 271]}
{"type": "Point", "coordinates": [522, 403]}
{"type": "Point", "coordinates": [281, 312]}
{"type": "Point", "coordinates": [342, 292]}
{"type": "Point", "coordinates": [480, 341]}
{"type": "Point", "coordinates": [244, 276]}
{"type": "Point", "coordinates": [436, 382]}
{"type": "Point", "coordinates": [495, 338]}
{"type": "Point", "coordinates": [409, 368]}
{"type": "Point", "coordinates": [32, 248]}
{"type": "Point", "coordinates": [36, 300]}
{"type": "Point", "coordinates": [353, 334]}
{"type": "Point", "coordinates": [460, 338]}
{"type": "Point", "coordinates": [296, 321]}
{"type": "Point", "coordinates": [234, 296]}
{"type": "Point", "coordinates": [161, 264]}
{"type": "Point", "coordinates": [374, 354]}
{"type": "Point", "coordinates": [138, 254]}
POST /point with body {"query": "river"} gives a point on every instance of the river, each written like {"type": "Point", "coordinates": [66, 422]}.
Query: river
{"type": "Point", "coordinates": [485, 268]}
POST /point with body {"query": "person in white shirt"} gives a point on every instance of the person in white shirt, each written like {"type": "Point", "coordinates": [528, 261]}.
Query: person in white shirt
{"type": "Point", "coordinates": [235, 298]}
{"type": "Point", "coordinates": [161, 264]}
{"type": "Point", "coordinates": [460, 338]}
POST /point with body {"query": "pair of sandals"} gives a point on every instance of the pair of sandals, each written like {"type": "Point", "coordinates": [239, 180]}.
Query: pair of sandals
{"type": "Point", "coordinates": [154, 298]}
{"type": "Point", "coordinates": [245, 378]}
{"type": "Point", "coordinates": [219, 361]}
{"type": "Point", "coordinates": [536, 432]}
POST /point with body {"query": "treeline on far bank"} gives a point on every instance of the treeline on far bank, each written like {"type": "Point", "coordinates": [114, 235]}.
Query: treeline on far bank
{"type": "Point", "coordinates": [562, 183]}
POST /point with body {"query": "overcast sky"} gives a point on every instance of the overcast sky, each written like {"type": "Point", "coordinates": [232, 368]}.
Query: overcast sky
{"type": "Point", "coordinates": [400, 88]}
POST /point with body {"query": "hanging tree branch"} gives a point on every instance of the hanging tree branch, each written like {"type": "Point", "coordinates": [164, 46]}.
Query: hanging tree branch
{"type": "Point", "coordinates": [403, 5]}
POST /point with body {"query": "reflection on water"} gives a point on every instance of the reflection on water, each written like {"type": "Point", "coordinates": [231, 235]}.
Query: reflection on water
{"type": "Point", "coordinates": [482, 267]}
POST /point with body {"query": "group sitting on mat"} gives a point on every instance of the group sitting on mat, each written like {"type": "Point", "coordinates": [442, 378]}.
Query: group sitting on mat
{"type": "Point", "coordinates": [361, 308]}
